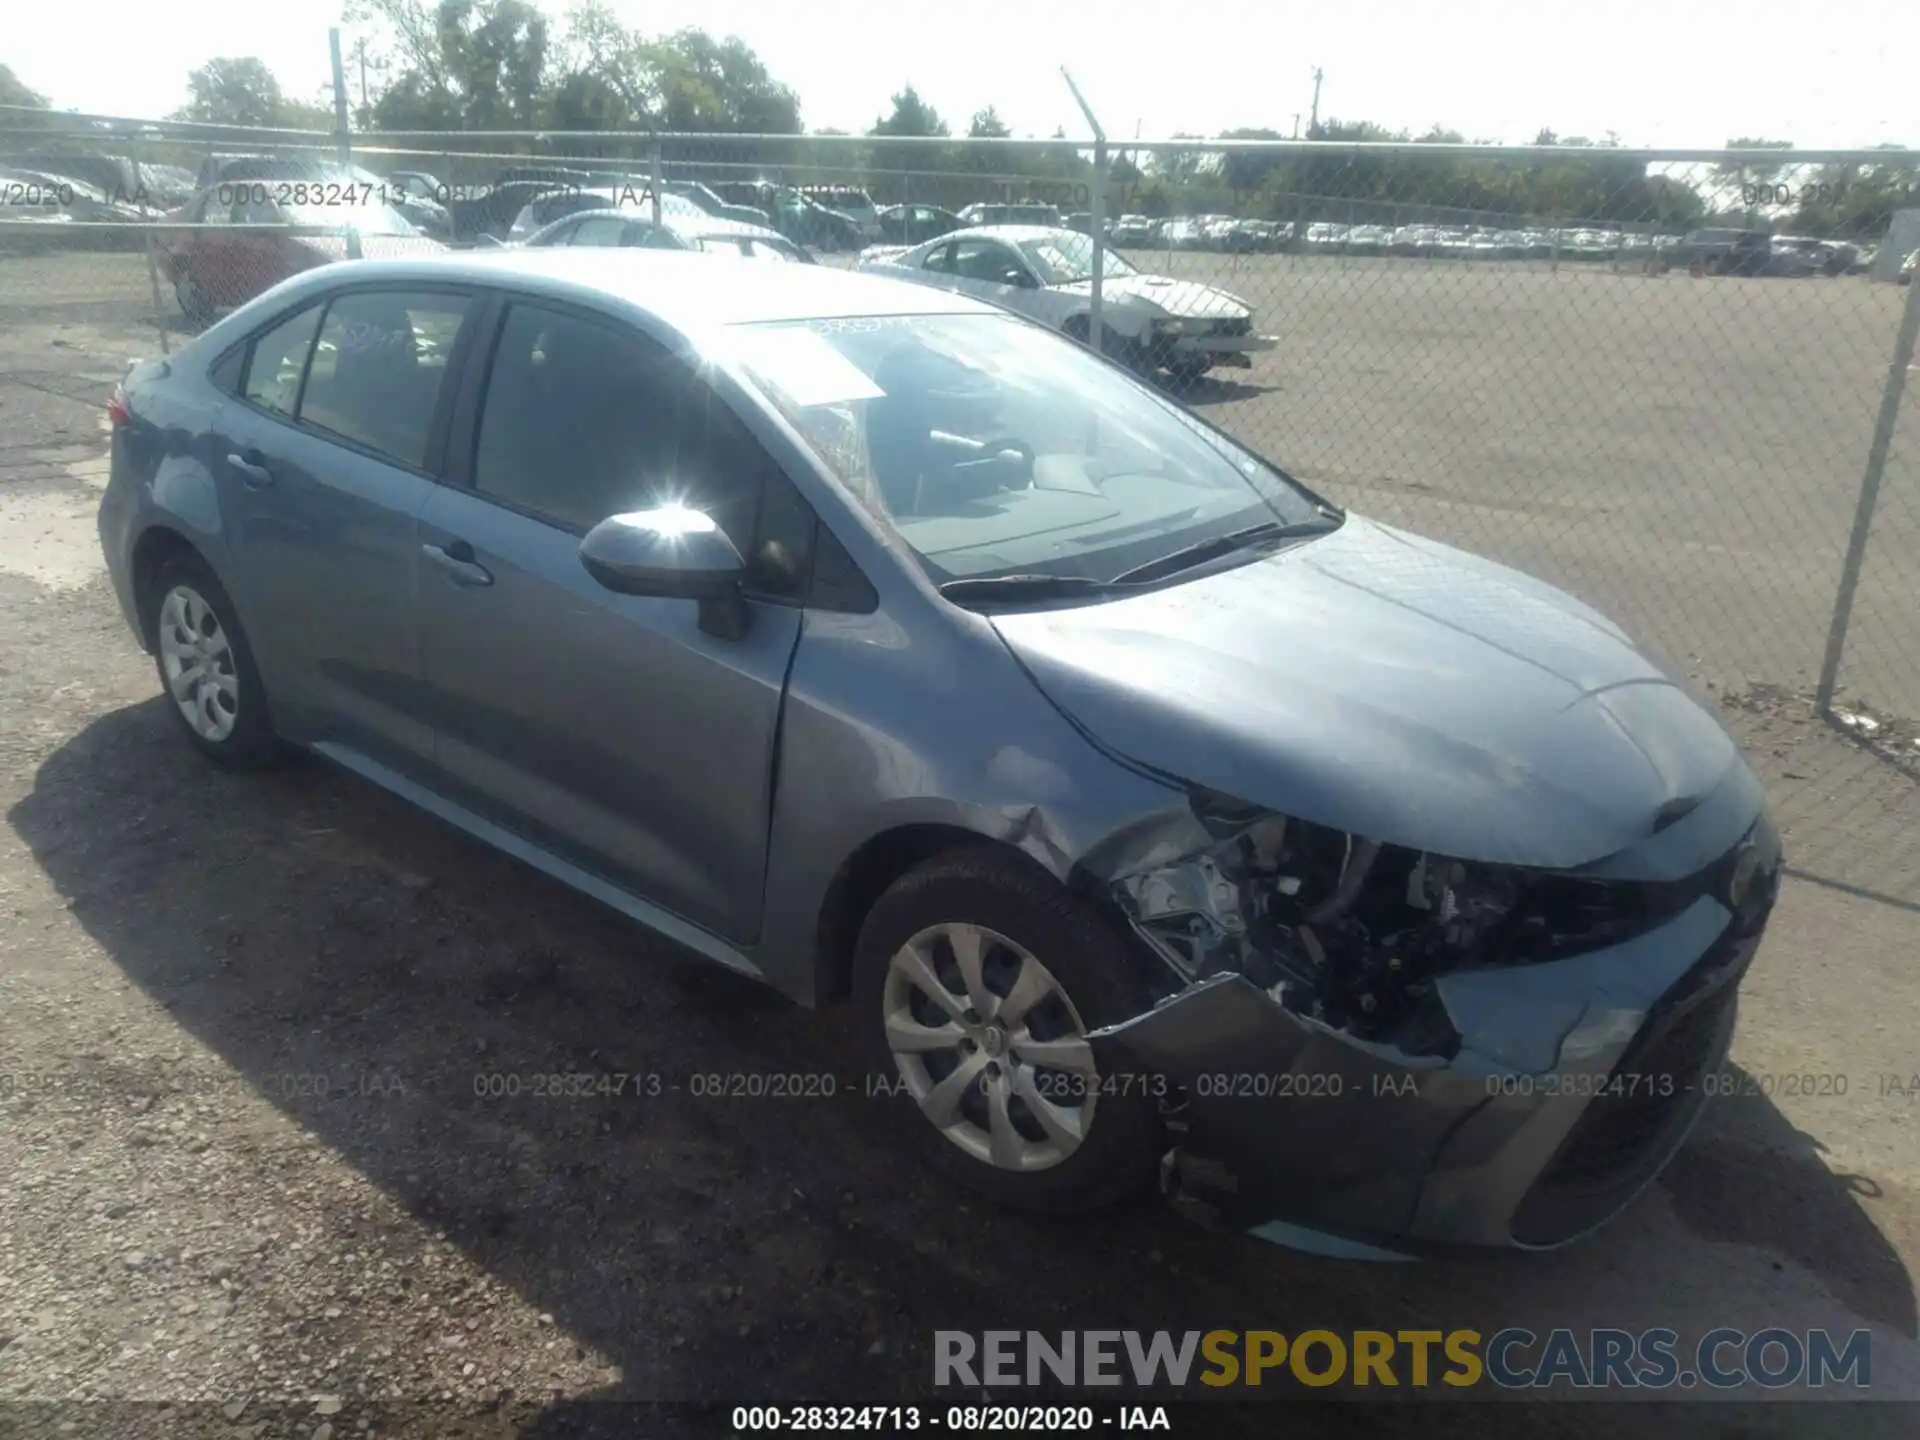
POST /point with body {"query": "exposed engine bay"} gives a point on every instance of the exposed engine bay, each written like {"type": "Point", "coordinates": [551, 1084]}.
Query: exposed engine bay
{"type": "Point", "coordinates": [1352, 933]}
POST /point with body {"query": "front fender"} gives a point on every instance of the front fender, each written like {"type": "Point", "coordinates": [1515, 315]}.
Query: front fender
{"type": "Point", "coordinates": [888, 725]}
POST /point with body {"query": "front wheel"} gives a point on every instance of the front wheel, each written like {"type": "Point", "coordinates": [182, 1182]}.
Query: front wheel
{"type": "Point", "coordinates": [980, 978]}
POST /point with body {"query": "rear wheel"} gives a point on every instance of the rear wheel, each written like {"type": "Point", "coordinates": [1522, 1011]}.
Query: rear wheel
{"type": "Point", "coordinates": [980, 978]}
{"type": "Point", "coordinates": [207, 668]}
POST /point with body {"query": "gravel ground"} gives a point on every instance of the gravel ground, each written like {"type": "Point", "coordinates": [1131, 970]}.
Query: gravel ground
{"type": "Point", "coordinates": [254, 1168]}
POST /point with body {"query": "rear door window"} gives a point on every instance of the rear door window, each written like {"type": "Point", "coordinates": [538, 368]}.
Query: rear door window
{"type": "Point", "coordinates": [379, 367]}
{"type": "Point", "coordinates": [278, 360]}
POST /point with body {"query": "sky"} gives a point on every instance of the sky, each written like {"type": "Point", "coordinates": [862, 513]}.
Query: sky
{"type": "Point", "coordinates": [1656, 72]}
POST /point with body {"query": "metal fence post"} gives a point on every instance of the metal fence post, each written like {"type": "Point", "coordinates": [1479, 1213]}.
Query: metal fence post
{"type": "Point", "coordinates": [1096, 201]}
{"type": "Point", "coordinates": [341, 135]}
{"type": "Point", "coordinates": [654, 161]}
{"type": "Point", "coordinates": [1863, 509]}
{"type": "Point", "coordinates": [139, 157]}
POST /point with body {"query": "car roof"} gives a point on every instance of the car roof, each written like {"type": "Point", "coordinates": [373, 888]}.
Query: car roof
{"type": "Point", "coordinates": [689, 291]}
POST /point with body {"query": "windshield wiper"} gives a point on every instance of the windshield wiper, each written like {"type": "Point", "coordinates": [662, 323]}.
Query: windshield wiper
{"type": "Point", "coordinates": [1201, 551]}
{"type": "Point", "coordinates": [1016, 588]}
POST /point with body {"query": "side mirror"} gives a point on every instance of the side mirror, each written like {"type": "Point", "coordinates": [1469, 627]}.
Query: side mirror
{"type": "Point", "coordinates": [672, 552]}
{"type": "Point", "coordinates": [669, 551]}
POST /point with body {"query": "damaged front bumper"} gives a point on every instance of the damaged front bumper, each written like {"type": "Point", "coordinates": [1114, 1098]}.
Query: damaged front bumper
{"type": "Point", "coordinates": [1564, 1087]}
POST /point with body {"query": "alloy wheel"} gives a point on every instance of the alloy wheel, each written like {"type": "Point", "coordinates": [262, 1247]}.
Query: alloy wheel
{"type": "Point", "coordinates": [197, 661]}
{"type": "Point", "coordinates": [990, 1046]}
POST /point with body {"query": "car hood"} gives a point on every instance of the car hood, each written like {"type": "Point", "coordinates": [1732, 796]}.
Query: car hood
{"type": "Point", "coordinates": [1185, 298]}
{"type": "Point", "coordinates": [1392, 687]}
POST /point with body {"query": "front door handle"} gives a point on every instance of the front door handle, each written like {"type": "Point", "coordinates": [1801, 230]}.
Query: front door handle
{"type": "Point", "coordinates": [456, 558]}
{"type": "Point", "coordinates": [253, 473]}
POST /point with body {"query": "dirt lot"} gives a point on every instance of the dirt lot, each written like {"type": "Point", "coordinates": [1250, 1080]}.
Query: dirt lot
{"type": "Point", "coordinates": [248, 1020]}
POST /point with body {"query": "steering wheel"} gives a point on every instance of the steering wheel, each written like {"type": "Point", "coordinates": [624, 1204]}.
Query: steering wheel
{"type": "Point", "coordinates": [1003, 454]}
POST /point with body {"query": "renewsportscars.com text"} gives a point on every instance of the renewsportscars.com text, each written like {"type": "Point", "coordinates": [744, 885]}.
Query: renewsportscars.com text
{"type": "Point", "coordinates": [1511, 1358]}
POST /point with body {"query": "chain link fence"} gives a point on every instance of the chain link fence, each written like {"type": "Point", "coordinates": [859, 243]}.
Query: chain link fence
{"type": "Point", "coordinates": [1669, 382]}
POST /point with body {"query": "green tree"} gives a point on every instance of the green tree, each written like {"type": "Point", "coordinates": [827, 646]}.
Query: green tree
{"type": "Point", "coordinates": [1247, 170]}
{"type": "Point", "coordinates": [233, 91]}
{"type": "Point", "coordinates": [472, 64]}
{"type": "Point", "coordinates": [1728, 185]}
{"type": "Point", "coordinates": [243, 91]}
{"type": "Point", "coordinates": [912, 117]}
{"type": "Point", "coordinates": [613, 76]}
{"type": "Point", "coordinates": [708, 84]}
{"type": "Point", "coordinates": [987, 125]}
{"type": "Point", "coordinates": [15, 91]}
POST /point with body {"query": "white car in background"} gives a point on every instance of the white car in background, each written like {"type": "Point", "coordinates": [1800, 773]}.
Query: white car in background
{"type": "Point", "coordinates": [1151, 321]}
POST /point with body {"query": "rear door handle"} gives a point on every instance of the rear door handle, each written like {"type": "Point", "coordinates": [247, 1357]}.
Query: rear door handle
{"type": "Point", "coordinates": [456, 558]}
{"type": "Point", "coordinates": [252, 471]}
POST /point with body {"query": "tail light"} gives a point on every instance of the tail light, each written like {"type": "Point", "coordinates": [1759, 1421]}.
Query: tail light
{"type": "Point", "coordinates": [117, 412]}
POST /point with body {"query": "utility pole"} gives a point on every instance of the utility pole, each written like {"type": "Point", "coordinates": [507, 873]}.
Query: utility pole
{"type": "Point", "coordinates": [1313, 125]}
{"type": "Point", "coordinates": [1296, 124]}
{"type": "Point", "coordinates": [360, 54]}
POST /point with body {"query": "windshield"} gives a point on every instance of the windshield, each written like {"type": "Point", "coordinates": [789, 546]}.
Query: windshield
{"type": "Point", "coordinates": [1067, 258]}
{"type": "Point", "coordinates": [992, 447]}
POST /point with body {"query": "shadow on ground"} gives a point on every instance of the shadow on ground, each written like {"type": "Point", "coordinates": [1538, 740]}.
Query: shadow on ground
{"type": "Point", "coordinates": [717, 1249]}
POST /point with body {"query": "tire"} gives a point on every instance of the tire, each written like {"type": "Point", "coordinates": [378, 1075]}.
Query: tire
{"type": "Point", "coordinates": [1188, 371]}
{"type": "Point", "coordinates": [1085, 978]}
{"type": "Point", "coordinates": [197, 630]}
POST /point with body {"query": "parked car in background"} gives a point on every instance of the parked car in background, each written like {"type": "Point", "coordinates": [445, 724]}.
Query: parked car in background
{"type": "Point", "coordinates": [851, 201]}
{"type": "Point", "coordinates": [795, 214]}
{"type": "Point", "coordinates": [1368, 239]}
{"type": "Point", "coordinates": [314, 184]}
{"type": "Point", "coordinates": [635, 230]}
{"type": "Point", "coordinates": [236, 241]}
{"type": "Point", "coordinates": [1250, 237]}
{"type": "Point", "coordinates": [1791, 260]}
{"type": "Point", "coordinates": [422, 184]}
{"type": "Point", "coordinates": [994, 214]}
{"type": "Point", "coordinates": [910, 224]}
{"type": "Point", "coordinates": [1907, 267]}
{"type": "Point", "coordinates": [27, 194]}
{"type": "Point", "coordinates": [1132, 230]}
{"type": "Point", "coordinates": [548, 175]}
{"type": "Point", "coordinates": [1720, 251]}
{"type": "Point", "coordinates": [1828, 257]}
{"type": "Point", "coordinates": [629, 195]}
{"type": "Point", "coordinates": [1151, 322]}
{"type": "Point", "coordinates": [805, 221]}
{"type": "Point", "coordinates": [881, 646]}
{"type": "Point", "coordinates": [1183, 232]}
{"type": "Point", "coordinates": [118, 180]}
{"type": "Point", "coordinates": [714, 205]}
